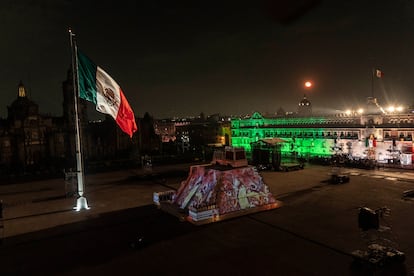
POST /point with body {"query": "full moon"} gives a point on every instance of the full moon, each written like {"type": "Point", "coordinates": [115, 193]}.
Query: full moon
{"type": "Point", "coordinates": [308, 84]}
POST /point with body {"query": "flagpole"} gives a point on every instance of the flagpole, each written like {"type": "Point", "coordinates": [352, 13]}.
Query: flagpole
{"type": "Point", "coordinates": [81, 202]}
{"type": "Point", "coordinates": [372, 82]}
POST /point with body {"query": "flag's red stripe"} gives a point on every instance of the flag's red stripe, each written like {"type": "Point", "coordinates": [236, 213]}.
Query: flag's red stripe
{"type": "Point", "coordinates": [125, 117]}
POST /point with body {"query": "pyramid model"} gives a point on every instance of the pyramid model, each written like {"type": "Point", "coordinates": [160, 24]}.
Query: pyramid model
{"type": "Point", "coordinates": [223, 190]}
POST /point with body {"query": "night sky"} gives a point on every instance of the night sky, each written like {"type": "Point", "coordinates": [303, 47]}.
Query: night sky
{"type": "Point", "coordinates": [180, 58]}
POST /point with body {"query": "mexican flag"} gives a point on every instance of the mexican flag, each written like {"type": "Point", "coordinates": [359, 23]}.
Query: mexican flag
{"type": "Point", "coordinates": [95, 85]}
{"type": "Point", "coordinates": [379, 73]}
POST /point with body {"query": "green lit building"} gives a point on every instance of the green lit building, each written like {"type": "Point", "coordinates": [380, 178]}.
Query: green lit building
{"type": "Point", "coordinates": [373, 134]}
{"type": "Point", "coordinates": [307, 136]}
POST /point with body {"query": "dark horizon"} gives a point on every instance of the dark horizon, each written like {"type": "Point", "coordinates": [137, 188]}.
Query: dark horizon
{"type": "Point", "coordinates": [229, 58]}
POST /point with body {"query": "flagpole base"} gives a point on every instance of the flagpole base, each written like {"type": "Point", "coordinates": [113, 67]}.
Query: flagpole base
{"type": "Point", "coordinates": [81, 204]}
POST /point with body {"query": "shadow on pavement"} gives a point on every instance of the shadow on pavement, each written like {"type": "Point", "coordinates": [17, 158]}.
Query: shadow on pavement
{"type": "Point", "coordinates": [89, 242]}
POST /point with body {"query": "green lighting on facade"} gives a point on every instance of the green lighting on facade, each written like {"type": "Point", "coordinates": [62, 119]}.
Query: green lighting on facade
{"type": "Point", "coordinates": [303, 136]}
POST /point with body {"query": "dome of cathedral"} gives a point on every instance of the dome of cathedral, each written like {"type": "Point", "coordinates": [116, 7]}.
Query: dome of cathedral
{"type": "Point", "coordinates": [22, 107]}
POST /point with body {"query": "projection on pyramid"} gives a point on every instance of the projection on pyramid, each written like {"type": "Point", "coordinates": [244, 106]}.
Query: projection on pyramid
{"type": "Point", "coordinates": [212, 192]}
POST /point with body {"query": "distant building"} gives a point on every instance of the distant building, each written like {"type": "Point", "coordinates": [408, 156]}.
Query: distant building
{"type": "Point", "coordinates": [373, 134]}
{"type": "Point", "coordinates": [30, 141]}
{"type": "Point", "coordinates": [194, 134]}
{"type": "Point", "coordinates": [33, 143]}
{"type": "Point", "coordinates": [165, 128]}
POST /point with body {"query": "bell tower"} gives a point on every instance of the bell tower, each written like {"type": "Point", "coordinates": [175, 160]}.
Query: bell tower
{"type": "Point", "coordinates": [305, 107]}
{"type": "Point", "coordinates": [21, 90]}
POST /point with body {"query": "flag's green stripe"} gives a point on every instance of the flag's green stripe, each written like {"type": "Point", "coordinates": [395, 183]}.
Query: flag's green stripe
{"type": "Point", "coordinates": [87, 78]}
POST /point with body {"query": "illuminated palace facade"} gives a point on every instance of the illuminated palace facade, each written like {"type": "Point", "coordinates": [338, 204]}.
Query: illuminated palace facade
{"type": "Point", "coordinates": [372, 134]}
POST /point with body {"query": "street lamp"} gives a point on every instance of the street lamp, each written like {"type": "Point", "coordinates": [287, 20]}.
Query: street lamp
{"type": "Point", "coordinates": [391, 109]}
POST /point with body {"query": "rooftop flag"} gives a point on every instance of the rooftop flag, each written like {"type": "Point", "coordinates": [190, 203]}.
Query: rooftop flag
{"type": "Point", "coordinates": [378, 73]}
{"type": "Point", "coordinates": [95, 85]}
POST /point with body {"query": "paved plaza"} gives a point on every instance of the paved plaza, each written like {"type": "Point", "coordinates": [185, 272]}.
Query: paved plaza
{"type": "Point", "coordinates": [313, 233]}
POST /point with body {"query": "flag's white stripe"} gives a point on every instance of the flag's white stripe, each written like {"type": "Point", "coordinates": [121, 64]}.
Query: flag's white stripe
{"type": "Point", "coordinates": [105, 85]}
